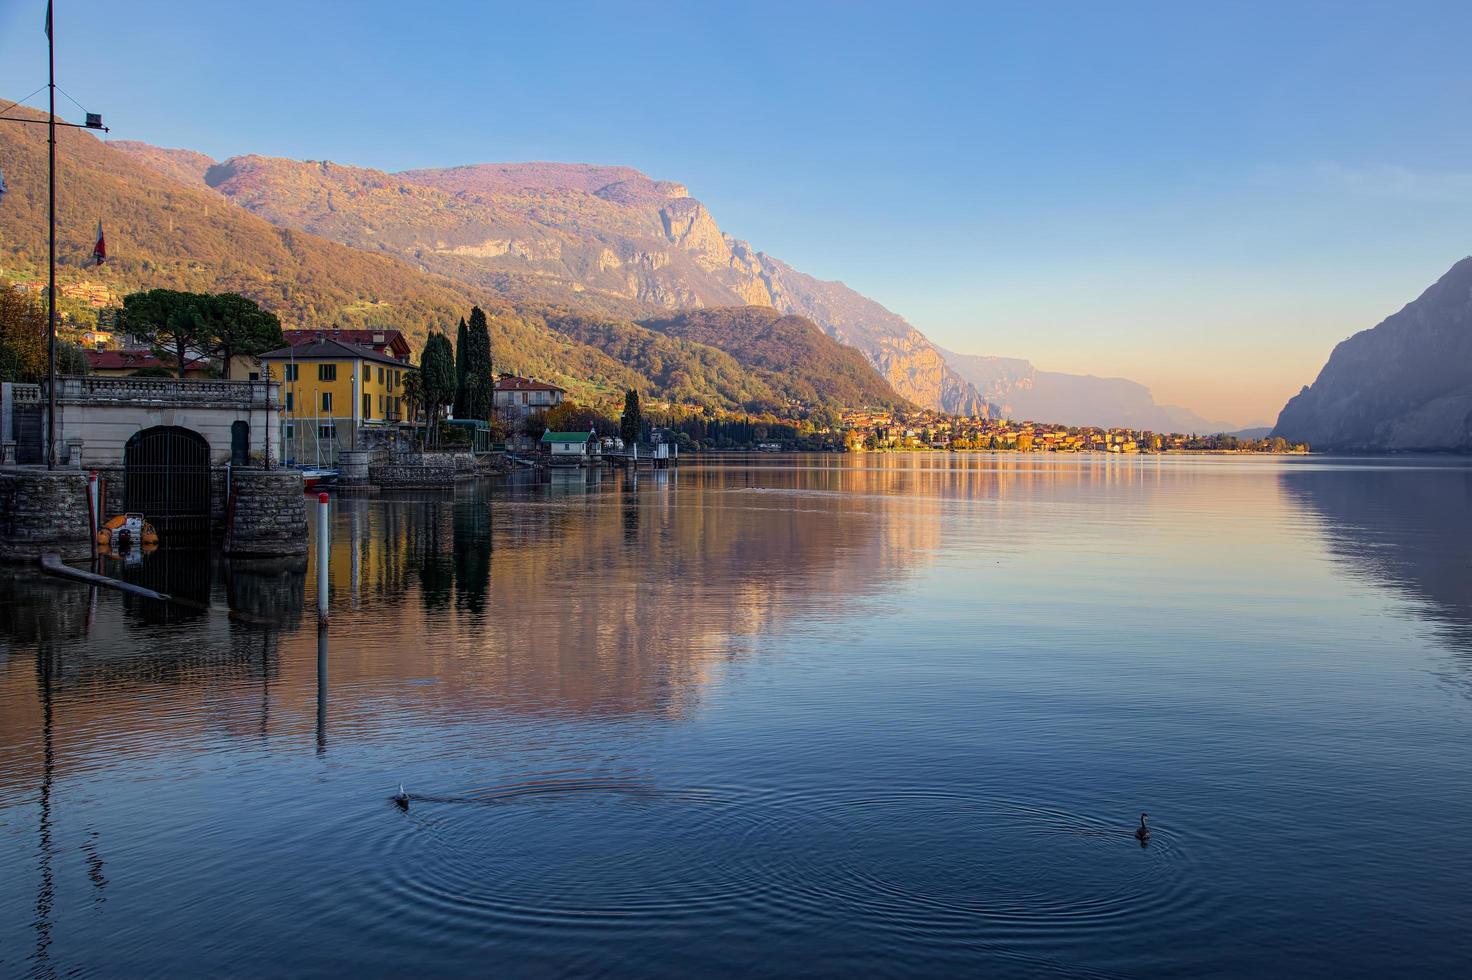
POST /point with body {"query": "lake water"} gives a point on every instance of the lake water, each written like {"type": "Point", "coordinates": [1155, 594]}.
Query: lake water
{"type": "Point", "coordinates": [771, 716]}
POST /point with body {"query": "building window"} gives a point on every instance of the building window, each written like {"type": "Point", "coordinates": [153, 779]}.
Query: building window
{"type": "Point", "coordinates": [367, 373]}
{"type": "Point", "coordinates": [255, 376]}
{"type": "Point", "coordinates": [367, 405]}
{"type": "Point", "coordinates": [380, 376]}
{"type": "Point", "coordinates": [523, 398]}
{"type": "Point", "coordinates": [326, 372]}
{"type": "Point", "coordinates": [326, 401]}
{"type": "Point", "coordinates": [381, 404]}
{"type": "Point", "coordinates": [291, 372]}
{"type": "Point", "coordinates": [290, 402]}
{"type": "Point", "coordinates": [327, 431]}
{"type": "Point", "coordinates": [290, 432]}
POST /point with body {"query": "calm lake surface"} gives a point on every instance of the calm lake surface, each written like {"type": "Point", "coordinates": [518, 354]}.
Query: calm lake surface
{"type": "Point", "coordinates": [770, 716]}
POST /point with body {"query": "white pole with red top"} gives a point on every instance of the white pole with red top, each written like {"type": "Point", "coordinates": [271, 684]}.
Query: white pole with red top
{"type": "Point", "coordinates": [323, 540]}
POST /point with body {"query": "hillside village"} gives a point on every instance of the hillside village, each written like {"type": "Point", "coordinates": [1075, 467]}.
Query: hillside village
{"type": "Point", "coordinates": [89, 318]}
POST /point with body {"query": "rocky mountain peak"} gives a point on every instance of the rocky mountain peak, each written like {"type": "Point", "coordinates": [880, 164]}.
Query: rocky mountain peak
{"type": "Point", "coordinates": [1404, 384]}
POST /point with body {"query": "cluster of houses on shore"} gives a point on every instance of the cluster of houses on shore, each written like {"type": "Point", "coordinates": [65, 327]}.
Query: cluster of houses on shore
{"type": "Point", "coordinates": [335, 383]}
{"type": "Point", "coordinates": [885, 430]}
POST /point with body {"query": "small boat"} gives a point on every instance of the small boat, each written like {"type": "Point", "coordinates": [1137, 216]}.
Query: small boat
{"type": "Point", "coordinates": [127, 532]}
{"type": "Point", "coordinates": [316, 476]}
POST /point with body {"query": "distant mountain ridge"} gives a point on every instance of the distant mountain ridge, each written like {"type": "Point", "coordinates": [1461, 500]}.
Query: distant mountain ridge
{"type": "Point", "coordinates": [167, 228]}
{"type": "Point", "coordinates": [605, 239]}
{"type": "Point", "coordinates": [1021, 391]}
{"type": "Point", "coordinates": [1402, 385]}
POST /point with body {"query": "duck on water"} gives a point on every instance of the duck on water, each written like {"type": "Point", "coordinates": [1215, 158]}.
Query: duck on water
{"type": "Point", "coordinates": [1142, 832]}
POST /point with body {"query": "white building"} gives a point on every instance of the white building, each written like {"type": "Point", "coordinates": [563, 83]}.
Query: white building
{"type": "Point", "coordinates": [517, 398]}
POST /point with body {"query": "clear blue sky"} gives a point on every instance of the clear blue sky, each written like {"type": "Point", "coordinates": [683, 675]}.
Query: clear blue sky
{"type": "Point", "coordinates": [1203, 197]}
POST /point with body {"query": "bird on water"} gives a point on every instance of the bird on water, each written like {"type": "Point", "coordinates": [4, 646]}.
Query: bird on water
{"type": "Point", "coordinates": [401, 799]}
{"type": "Point", "coordinates": [1142, 832]}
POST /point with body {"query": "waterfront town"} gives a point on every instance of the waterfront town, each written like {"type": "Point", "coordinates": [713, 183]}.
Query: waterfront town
{"type": "Point", "coordinates": [341, 384]}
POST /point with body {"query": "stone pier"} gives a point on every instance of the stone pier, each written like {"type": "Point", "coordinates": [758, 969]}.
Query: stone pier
{"type": "Point", "coordinates": [269, 513]}
{"type": "Point", "coordinates": [43, 511]}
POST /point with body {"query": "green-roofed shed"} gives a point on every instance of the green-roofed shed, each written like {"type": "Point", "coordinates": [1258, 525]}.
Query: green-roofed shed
{"type": "Point", "coordinates": [570, 447]}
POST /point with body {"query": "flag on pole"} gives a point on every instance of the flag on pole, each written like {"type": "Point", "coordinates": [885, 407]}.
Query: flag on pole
{"type": "Point", "coordinates": [99, 251]}
{"type": "Point", "coordinates": [48, 19]}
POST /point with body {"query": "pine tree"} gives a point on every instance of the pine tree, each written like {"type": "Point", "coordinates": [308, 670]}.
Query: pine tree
{"type": "Point", "coordinates": [633, 418]}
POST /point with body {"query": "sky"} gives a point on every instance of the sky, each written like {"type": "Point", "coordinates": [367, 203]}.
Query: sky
{"type": "Point", "coordinates": [1201, 197]}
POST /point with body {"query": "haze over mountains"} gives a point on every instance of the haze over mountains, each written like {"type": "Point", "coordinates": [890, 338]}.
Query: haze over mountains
{"type": "Point", "coordinates": [167, 228]}
{"type": "Point", "coordinates": [595, 238]}
{"type": "Point", "coordinates": [1021, 391]}
{"type": "Point", "coordinates": [584, 269]}
{"type": "Point", "coordinates": [615, 241]}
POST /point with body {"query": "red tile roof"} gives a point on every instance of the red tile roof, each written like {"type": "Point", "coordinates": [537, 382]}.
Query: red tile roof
{"type": "Point", "coordinates": [332, 350]}
{"type": "Point", "coordinates": [525, 384]}
{"type": "Point", "coordinates": [379, 340]}
{"type": "Point", "coordinates": [134, 360]}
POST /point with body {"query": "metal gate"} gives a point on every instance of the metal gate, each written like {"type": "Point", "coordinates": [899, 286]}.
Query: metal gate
{"type": "Point", "coordinates": [167, 480]}
{"type": "Point", "coordinates": [29, 435]}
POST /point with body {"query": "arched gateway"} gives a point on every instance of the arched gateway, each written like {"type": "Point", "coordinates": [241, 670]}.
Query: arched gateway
{"type": "Point", "coordinates": [167, 479]}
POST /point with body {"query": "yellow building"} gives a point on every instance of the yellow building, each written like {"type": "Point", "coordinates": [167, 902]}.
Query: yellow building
{"type": "Point", "coordinates": [330, 389]}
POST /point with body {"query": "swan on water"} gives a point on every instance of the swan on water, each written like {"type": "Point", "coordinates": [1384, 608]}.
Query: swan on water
{"type": "Point", "coordinates": [1142, 832]}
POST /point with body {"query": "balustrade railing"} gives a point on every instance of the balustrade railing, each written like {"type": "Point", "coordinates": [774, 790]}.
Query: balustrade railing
{"type": "Point", "coordinates": [260, 394]}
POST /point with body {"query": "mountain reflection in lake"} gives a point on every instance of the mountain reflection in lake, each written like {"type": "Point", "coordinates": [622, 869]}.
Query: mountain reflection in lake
{"type": "Point", "coordinates": [823, 715]}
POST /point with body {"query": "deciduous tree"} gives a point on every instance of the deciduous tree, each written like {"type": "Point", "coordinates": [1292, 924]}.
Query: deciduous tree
{"type": "Point", "coordinates": [22, 337]}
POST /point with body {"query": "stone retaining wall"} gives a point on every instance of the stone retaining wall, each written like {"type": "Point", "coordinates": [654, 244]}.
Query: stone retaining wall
{"type": "Point", "coordinates": [404, 476]}
{"type": "Point", "coordinates": [270, 514]}
{"type": "Point", "coordinates": [43, 511]}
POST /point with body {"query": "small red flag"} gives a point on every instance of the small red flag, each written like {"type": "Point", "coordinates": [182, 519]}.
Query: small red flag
{"type": "Point", "coordinates": [99, 251]}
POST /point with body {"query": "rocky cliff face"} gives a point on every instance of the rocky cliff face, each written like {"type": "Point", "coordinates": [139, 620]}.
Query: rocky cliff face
{"type": "Point", "coordinates": [1403, 385]}
{"type": "Point", "coordinates": [604, 239]}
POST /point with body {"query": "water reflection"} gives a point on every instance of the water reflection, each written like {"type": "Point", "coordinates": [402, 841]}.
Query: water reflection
{"type": "Point", "coordinates": [838, 714]}
{"type": "Point", "coordinates": [1405, 526]}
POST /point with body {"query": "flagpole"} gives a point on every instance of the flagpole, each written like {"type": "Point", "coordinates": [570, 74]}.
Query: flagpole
{"type": "Point", "coordinates": [51, 246]}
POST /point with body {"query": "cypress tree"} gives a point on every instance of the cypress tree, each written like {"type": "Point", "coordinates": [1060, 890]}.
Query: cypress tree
{"type": "Point", "coordinates": [437, 369]}
{"type": "Point", "coordinates": [479, 381]}
{"type": "Point", "coordinates": [462, 409]}
{"type": "Point", "coordinates": [633, 418]}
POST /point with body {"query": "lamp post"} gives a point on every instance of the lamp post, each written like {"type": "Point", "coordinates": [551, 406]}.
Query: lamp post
{"type": "Point", "coordinates": [94, 121]}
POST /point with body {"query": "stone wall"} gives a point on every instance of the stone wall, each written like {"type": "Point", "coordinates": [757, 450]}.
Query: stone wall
{"type": "Point", "coordinates": [419, 470]}
{"type": "Point", "coordinates": [270, 514]}
{"type": "Point", "coordinates": [42, 511]}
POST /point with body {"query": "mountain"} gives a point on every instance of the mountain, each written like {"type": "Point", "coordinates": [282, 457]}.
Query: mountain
{"type": "Point", "coordinates": [1405, 384]}
{"type": "Point", "coordinates": [796, 359]}
{"type": "Point", "coordinates": [606, 240]}
{"type": "Point", "coordinates": [166, 227]}
{"type": "Point", "coordinates": [1021, 391]}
